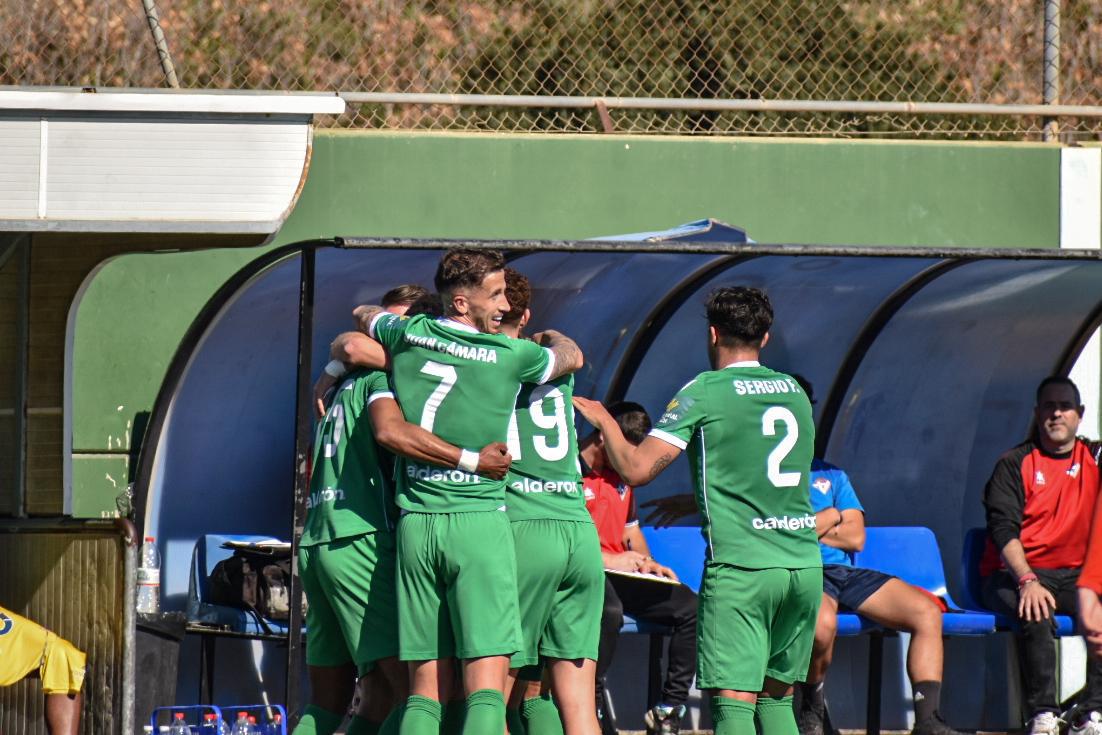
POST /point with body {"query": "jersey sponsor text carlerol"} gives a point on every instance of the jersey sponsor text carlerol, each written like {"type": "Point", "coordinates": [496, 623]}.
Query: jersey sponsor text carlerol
{"type": "Point", "coordinates": [784, 523]}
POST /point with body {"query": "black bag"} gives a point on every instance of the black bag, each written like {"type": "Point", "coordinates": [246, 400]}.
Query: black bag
{"type": "Point", "coordinates": [255, 580]}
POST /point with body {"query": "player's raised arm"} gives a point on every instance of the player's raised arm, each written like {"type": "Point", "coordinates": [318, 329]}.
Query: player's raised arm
{"type": "Point", "coordinates": [401, 437]}
{"type": "Point", "coordinates": [364, 315]}
{"type": "Point", "coordinates": [637, 465]}
{"type": "Point", "coordinates": [568, 356]}
{"type": "Point", "coordinates": [356, 348]}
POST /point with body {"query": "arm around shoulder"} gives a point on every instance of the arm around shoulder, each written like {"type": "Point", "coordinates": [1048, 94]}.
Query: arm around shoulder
{"type": "Point", "coordinates": [568, 356]}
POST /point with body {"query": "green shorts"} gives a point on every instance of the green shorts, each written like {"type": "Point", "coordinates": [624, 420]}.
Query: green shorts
{"type": "Point", "coordinates": [755, 623]}
{"type": "Point", "coordinates": [353, 613]}
{"type": "Point", "coordinates": [457, 586]}
{"type": "Point", "coordinates": [561, 589]}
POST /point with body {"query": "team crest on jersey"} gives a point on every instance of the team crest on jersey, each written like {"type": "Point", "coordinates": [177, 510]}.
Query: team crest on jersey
{"type": "Point", "coordinates": [622, 489]}
{"type": "Point", "coordinates": [589, 494]}
{"type": "Point", "coordinates": [822, 484]}
{"type": "Point", "coordinates": [1039, 478]}
{"type": "Point", "coordinates": [6, 624]}
{"type": "Point", "coordinates": [675, 409]}
{"type": "Point", "coordinates": [1073, 471]}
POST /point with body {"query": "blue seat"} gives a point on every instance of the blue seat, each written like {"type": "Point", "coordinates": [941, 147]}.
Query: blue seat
{"type": "Point", "coordinates": [975, 541]}
{"type": "Point", "coordinates": [682, 549]}
{"type": "Point", "coordinates": [208, 552]}
{"type": "Point", "coordinates": [912, 554]}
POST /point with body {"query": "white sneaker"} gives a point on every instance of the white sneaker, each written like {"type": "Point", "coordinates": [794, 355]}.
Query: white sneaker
{"type": "Point", "coordinates": [1046, 723]}
{"type": "Point", "coordinates": [1091, 725]}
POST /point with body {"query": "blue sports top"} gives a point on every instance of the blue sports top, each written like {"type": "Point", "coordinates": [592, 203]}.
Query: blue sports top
{"type": "Point", "coordinates": [831, 488]}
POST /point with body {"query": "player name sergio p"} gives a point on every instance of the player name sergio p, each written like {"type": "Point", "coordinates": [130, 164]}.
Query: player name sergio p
{"type": "Point", "coordinates": [481, 354]}
{"type": "Point", "coordinates": [761, 387]}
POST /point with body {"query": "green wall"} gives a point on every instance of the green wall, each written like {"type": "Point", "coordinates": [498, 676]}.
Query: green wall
{"type": "Point", "coordinates": [137, 307]}
{"type": "Point", "coordinates": [835, 192]}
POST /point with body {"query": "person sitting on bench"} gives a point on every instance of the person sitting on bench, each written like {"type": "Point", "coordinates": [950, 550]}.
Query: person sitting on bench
{"type": "Point", "coordinates": [1039, 503]}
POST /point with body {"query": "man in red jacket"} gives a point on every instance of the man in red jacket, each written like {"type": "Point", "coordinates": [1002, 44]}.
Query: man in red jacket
{"type": "Point", "coordinates": [1039, 500]}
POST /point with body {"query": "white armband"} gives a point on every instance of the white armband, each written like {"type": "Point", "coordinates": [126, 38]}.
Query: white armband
{"type": "Point", "coordinates": [468, 461]}
{"type": "Point", "coordinates": [336, 369]}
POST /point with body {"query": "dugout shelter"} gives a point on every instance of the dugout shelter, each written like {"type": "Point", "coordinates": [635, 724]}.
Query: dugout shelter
{"type": "Point", "coordinates": [924, 363]}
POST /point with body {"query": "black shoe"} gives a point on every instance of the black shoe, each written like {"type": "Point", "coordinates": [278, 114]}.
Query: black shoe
{"type": "Point", "coordinates": [811, 719]}
{"type": "Point", "coordinates": [934, 725]}
{"type": "Point", "coordinates": [664, 719]}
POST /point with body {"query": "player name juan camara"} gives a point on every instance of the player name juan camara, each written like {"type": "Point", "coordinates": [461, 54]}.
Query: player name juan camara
{"type": "Point", "coordinates": [760, 387]}
{"type": "Point", "coordinates": [482, 354]}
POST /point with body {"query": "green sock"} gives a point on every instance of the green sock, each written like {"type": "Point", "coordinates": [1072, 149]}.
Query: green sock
{"type": "Point", "coordinates": [512, 721]}
{"type": "Point", "coordinates": [775, 716]}
{"type": "Point", "coordinates": [485, 713]}
{"type": "Point", "coordinates": [454, 714]}
{"type": "Point", "coordinates": [421, 717]}
{"type": "Point", "coordinates": [732, 716]}
{"type": "Point", "coordinates": [362, 726]}
{"type": "Point", "coordinates": [393, 721]}
{"type": "Point", "coordinates": [318, 721]}
{"type": "Point", "coordinates": [541, 716]}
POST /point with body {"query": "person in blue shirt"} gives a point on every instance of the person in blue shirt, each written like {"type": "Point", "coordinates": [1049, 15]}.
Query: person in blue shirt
{"type": "Point", "coordinates": [887, 600]}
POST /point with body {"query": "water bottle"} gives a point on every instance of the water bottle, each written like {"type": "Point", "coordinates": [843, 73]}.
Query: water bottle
{"type": "Point", "coordinates": [275, 725]}
{"type": "Point", "coordinates": [210, 724]}
{"type": "Point", "coordinates": [253, 728]}
{"type": "Point", "coordinates": [241, 725]}
{"type": "Point", "coordinates": [149, 578]}
{"type": "Point", "coordinates": [179, 725]}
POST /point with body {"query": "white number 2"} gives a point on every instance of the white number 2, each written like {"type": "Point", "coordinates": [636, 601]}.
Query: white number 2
{"type": "Point", "coordinates": [769, 421]}
{"type": "Point", "coordinates": [447, 376]}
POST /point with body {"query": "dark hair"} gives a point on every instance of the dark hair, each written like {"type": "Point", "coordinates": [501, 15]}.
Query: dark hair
{"type": "Point", "coordinates": [429, 304]}
{"type": "Point", "coordinates": [519, 293]}
{"type": "Point", "coordinates": [632, 420]}
{"type": "Point", "coordinates": [740, 314]}
{"type": "Point", "coordinates": [407, 293]}
{"type": "Point", "coordinates": [805, 384]}
{"type": "Point", "coordinates": [1058, 380]}
{"type": "Point", "coordinates": [466, 268]}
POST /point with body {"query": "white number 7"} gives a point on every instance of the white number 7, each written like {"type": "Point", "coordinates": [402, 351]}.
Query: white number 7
{"type": "Point", "coordinates": [447, 376]}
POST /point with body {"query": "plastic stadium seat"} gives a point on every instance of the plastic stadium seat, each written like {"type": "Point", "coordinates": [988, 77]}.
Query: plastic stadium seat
{"type": "Point", "coordinates": [681, 548]}
{"type": "Point", "coordinates": [208, 552]}
{"type": "Point", "coordinates": [912, 554]}
{"type": "Point", "coordinates": [974, 542]}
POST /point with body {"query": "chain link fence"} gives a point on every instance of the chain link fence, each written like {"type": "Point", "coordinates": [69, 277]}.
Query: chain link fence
{"type": "Point", "coordinates": [946, 51]}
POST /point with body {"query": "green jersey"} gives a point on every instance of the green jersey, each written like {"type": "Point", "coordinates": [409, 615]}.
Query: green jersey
{"type": "Point", "coordinates": [751, 439]}
{"type": "Point", "coordinates": [350, 490]}
{"type": "Point", "coordinates": [545, 480]}
{"type": "Point", "coordinates": [461, 385]}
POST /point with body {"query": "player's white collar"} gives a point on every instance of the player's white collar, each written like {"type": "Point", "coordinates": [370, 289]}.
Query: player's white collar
{"type": "Point", "coordinates": [453, 324]}
{"type": "Point", "coordinates": [742, 363]}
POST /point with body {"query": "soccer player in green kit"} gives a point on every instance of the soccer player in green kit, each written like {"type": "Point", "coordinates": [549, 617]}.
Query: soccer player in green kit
{"type": "Point", "coordinates": [751, 438]}
{"type": "Point", "coordinates": [347, 553]}
{"type": "Point", "coordinates": [560, 574]}
{"type": "Point", "coordinates": [459, 378]}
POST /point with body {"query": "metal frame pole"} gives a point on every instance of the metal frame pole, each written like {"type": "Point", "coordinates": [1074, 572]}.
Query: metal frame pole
{"type": "Point", "coordinates": [303, 424]}
{"type": "Point", "coordinates": [1051, 76]}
